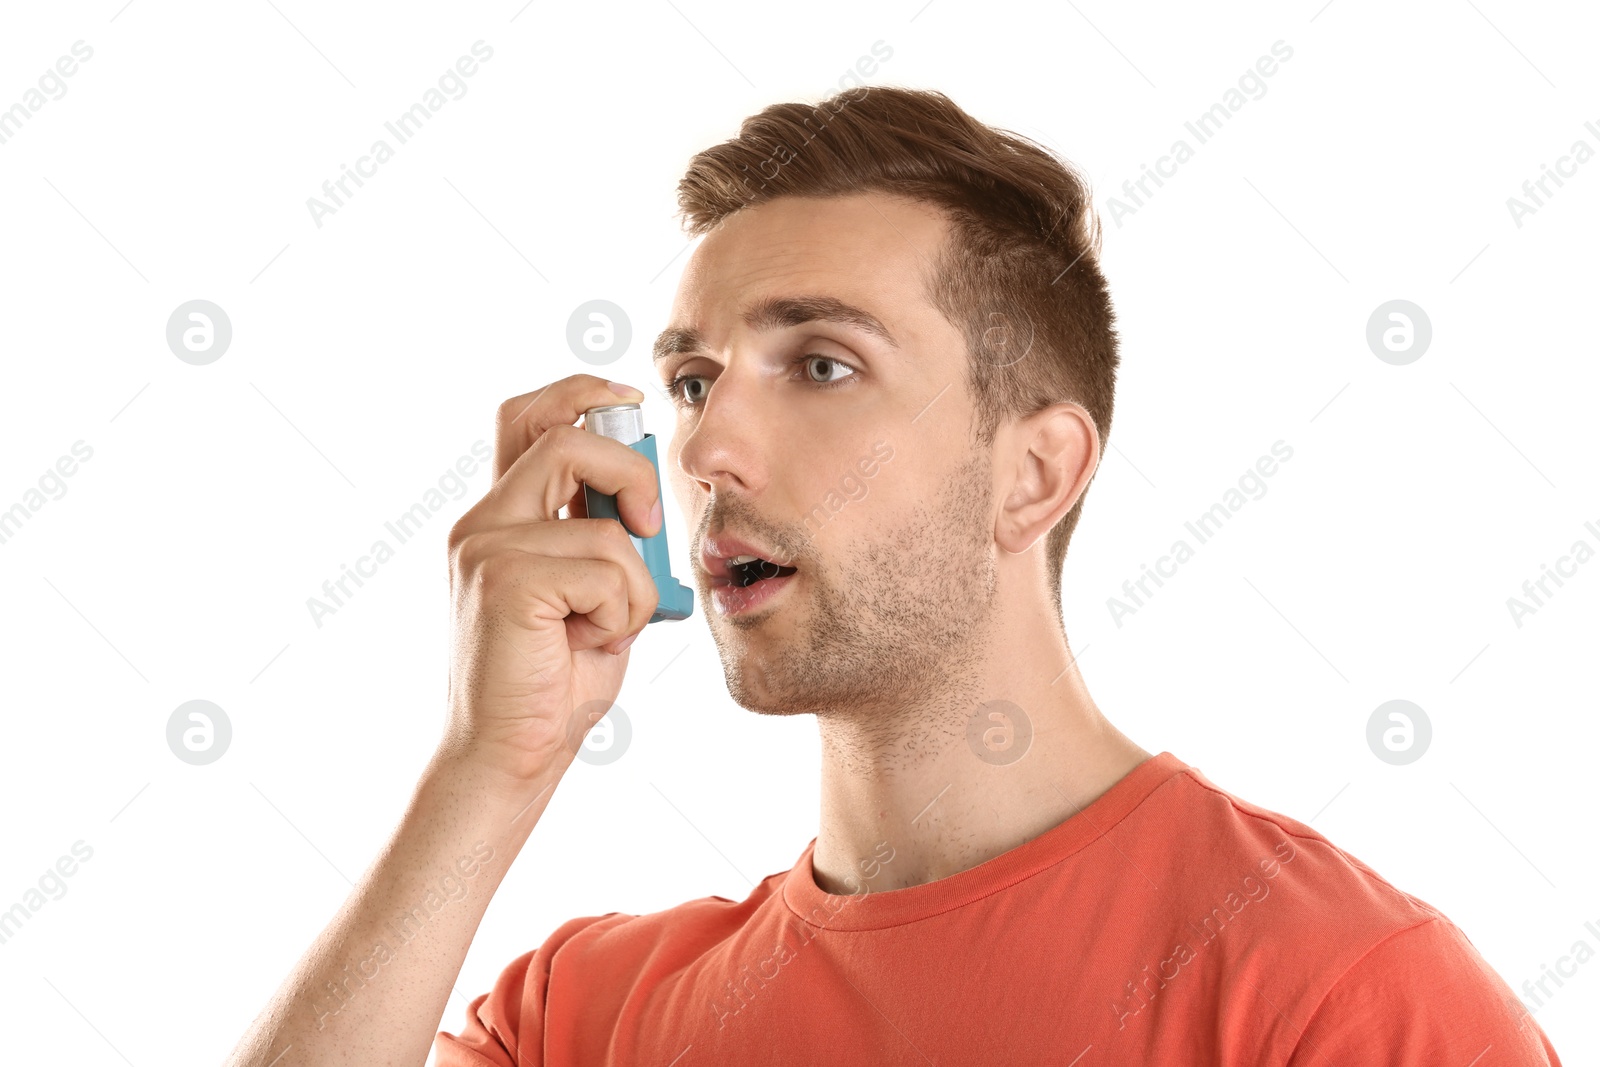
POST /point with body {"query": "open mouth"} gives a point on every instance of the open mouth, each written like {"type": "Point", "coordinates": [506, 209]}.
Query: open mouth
{"type": "Point", "coordinates": [748, 570]}
{"type": "Point", "coordinates": [750, 584]}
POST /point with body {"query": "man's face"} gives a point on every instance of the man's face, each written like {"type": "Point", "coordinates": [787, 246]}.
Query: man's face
{"type": "Point", "coordinates": [841, 447]}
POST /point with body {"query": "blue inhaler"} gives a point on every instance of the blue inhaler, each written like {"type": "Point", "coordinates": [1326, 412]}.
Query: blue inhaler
{"type": "Point", "coordinates": [625, 423]}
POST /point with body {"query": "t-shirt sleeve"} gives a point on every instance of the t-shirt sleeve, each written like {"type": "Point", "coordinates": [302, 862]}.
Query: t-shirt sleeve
{"type": "Point", "coordinates": [1423, 996]}
{"type": "Point", "coordinates": [505, 1026]}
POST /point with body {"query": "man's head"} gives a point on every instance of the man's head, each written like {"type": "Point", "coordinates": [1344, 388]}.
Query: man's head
{"type": "Point", "coordinates": [895, 358]}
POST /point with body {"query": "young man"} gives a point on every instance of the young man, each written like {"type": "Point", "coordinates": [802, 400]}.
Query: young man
{"type": "Point", "coordinates": [893, 360]}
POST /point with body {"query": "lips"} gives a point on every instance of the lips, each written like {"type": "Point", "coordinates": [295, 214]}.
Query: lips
{"type": "Point", "coordinates": [731, 599]}
{"type": "Point", "coordinates": [718, 549]}
{"type": "Point", "coordinates": [739, 588]}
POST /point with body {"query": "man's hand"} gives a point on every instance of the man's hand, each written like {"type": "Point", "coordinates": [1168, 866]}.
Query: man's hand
{"type": "Point", "coordinates": [544, 607]}
{"type": "Point", "coordinates": [541, 605]}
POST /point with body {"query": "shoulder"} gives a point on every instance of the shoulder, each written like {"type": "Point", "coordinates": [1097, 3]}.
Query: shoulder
{"type": "Point", "coordinates": [683, 930]}
{"type": "Point", "coordinates": [582, 972]}
{"type": "Point", "coordinates": [1422, 995]}
{"type": "Point", "coordinates": [1327, 896]}
{"type": "Point", "coordinates": [612, 949]}
{"type": "Point", "coordinates": [1250, 887]}
{"type": "Point", "coordinates": [1369, 972]}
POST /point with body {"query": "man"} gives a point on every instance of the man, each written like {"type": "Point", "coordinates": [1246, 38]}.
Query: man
{"type": "Point", "coordinates": [892, 298]}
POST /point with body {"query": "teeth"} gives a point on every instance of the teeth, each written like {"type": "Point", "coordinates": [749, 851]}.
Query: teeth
{"type": "Point", "coordinates": [735, 561]}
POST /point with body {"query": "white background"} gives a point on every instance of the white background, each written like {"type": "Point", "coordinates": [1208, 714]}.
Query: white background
{"type": "Point", "coordinates": [369, 354]}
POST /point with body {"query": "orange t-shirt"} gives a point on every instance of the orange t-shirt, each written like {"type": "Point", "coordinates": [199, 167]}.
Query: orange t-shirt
{"type": "Point", "coordinates": [1168, 922]}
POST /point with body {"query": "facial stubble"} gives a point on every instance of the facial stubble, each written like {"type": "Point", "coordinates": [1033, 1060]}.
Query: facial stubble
{"type": "Point", "coordinates": [895, 626]}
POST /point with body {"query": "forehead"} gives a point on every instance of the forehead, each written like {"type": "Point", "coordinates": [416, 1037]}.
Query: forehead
{"type": "Point", "coordinates": [873, 250]}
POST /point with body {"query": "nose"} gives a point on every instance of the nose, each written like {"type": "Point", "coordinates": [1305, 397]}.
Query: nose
{"type": "Point", "coordinates": [723, 450]}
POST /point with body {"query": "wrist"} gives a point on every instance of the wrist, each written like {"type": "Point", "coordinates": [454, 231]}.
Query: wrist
{"type": "Point", "coordinates": [514, 789]}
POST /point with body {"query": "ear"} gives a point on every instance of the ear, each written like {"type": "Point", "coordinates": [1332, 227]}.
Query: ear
{"type": "Point", "coordinates": [1051, 455]}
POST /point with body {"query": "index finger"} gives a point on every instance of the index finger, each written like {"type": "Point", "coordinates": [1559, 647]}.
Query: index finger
{"type": "Point", "coordinates": [521, 420]}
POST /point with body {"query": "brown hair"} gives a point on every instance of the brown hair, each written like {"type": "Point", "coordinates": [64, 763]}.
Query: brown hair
{"type": "Point", "coordinates": [1020, 276]}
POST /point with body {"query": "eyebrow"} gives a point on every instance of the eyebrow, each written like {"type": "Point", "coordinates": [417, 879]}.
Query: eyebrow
{"type": "Point", "coordinates": [777, 312]}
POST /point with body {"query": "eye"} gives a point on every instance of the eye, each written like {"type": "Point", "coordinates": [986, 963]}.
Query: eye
{"type": "Point", "coordinates": [812, 360]}
{"type": "Point", "coordinates": [678, 389]}
{"type": "Point", "coordinates": [684, 393]}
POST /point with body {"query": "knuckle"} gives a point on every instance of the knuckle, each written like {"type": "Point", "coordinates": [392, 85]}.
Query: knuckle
{"type": "Point", "coordinates": [479, 559]}
{"type": "Point", "coordinates": [558, 442]}
{"type": "Point", "coordinates": [458, 543]}
{"type": "Point", "coordinates": [509, 408]}
{"type": "Point", "coordinates": [619, 582]}
{"type": "Point", "coordinates": [515, 408]}
{"type": "Point", "coordinates": [460, 532]}
{"type": "Point", "coordinates": [496, 573]}
{"type": "Point", "coordinates": [615, 533]}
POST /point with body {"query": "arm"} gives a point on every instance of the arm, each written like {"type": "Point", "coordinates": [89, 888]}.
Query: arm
{"type": "Point", "coordinates": [374, 984]}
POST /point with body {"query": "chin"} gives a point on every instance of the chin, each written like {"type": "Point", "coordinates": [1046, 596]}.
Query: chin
{"type": "Point", "coordinates": [747, 687]}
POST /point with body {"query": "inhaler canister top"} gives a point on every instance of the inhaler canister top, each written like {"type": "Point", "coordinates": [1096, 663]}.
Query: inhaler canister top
{"type": "Point", "coordinates": [620, 422]}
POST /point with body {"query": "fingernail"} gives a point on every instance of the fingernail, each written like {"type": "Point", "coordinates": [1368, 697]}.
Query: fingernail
{"type": "Point", "coordinates": [622, 646]}
{"type": "Point", "coordinates": [655, 514]}
{"type": "Point", "coordinates": [623, 390]}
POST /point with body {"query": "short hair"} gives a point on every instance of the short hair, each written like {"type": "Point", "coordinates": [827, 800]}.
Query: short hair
{"type": "Point", "coordinates": [1020, 276]}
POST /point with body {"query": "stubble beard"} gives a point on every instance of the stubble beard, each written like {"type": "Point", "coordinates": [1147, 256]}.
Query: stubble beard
{"type": "Point", "coordinates": [892, 641]}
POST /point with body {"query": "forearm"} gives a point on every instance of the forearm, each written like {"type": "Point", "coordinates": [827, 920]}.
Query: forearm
{"type": "Point", "coordinates": [373, 985]}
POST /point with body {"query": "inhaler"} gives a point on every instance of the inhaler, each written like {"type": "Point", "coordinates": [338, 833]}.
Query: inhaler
{"type": "Point", "coordinates": [625, 423]}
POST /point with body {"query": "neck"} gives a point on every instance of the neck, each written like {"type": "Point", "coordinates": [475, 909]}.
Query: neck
{"type": "Point", "coordinates": [927, 788]}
